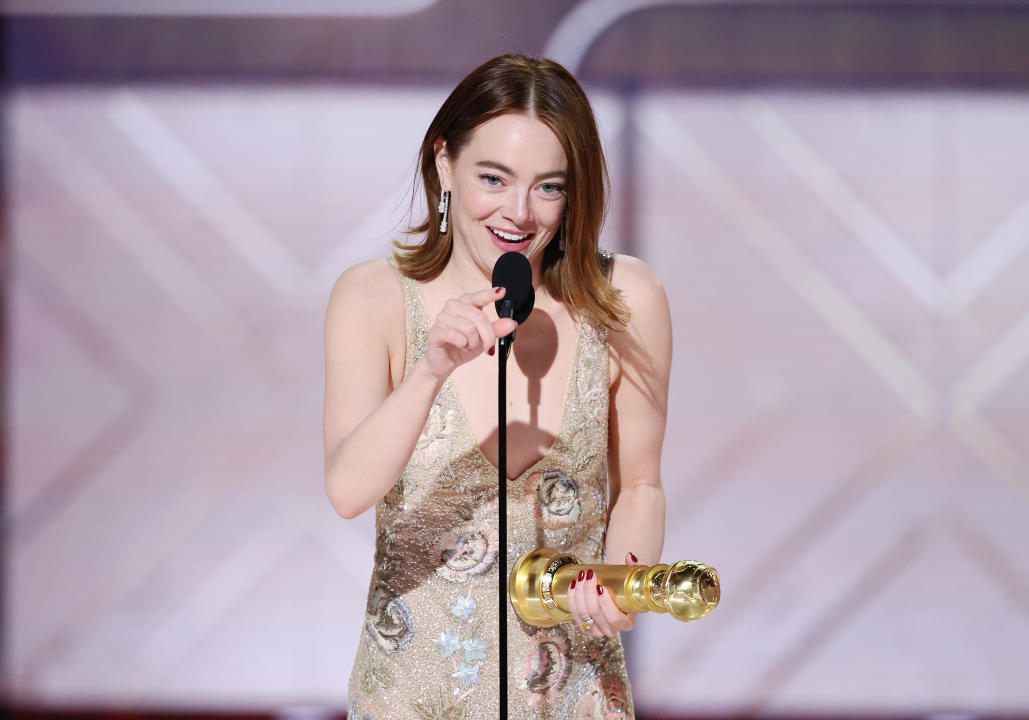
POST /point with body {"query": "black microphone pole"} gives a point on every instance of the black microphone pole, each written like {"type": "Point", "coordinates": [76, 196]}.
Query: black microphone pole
{"type": "Point", "coordinates": [514, 273]}
{"type": "Point", "coordinates": [504, 351]}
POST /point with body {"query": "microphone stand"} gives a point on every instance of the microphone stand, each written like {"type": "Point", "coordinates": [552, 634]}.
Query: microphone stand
{"type": "Point", "coordinates": [505, 344]}
{"type": "Point", "coordinates": [513, 271]}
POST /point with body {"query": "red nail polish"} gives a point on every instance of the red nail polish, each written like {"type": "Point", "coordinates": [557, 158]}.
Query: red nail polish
{"type": "Point", "coordinates": [589, 575]}
{"type": "Point", "coordinates": [581, 575]}
{"type": "Point", "coordinates": [572, 585]}
{"type": "Point", "coordinates": [600, 589]}
{"type": "Point", "coordinates": [498, 289]}
{"type": "Point", "coordinates": [633, 557]}
{"type": "Point", "coordinates": [491, 351]}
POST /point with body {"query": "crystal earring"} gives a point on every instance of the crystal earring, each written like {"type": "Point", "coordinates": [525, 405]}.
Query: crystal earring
{"type": "Point", "coordinates": [444, 207]}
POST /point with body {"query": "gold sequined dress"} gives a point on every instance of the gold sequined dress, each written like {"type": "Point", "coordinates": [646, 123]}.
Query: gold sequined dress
{"type": "Point", "coordinates": [428, 649]}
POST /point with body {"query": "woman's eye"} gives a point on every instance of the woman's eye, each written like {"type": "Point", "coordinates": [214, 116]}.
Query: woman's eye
{"type": "Point", "coordinates": [551, 188]}
{"type": "Point", "coordinates": [491, 180]}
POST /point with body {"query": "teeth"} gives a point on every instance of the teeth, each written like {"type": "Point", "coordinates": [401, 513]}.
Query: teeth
{"type": "Point", "coordinates": [508, 236]}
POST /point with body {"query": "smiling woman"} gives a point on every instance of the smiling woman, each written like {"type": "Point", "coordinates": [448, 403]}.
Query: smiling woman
{"type": "Point", "coordinates": [500, 203]}
{"type": "Point", "coordinates": [540, 89]}
{"type": "Point", "coordinates": [511, 162]}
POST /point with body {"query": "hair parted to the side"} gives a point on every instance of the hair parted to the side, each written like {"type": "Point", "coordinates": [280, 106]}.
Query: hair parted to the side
{"type": "Point", "coordinates": [577, 276]}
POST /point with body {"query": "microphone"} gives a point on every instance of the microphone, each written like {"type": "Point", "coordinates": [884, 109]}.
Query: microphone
{"type": "Point", "coordinates": [514, 273]}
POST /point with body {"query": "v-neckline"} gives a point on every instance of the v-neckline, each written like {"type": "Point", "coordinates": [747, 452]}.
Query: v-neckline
{"type": "Point", "coordinates": [466, 426]}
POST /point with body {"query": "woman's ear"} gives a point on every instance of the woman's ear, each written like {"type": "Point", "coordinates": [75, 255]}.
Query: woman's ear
{"type": "Point", "coordinates": [442, 156]}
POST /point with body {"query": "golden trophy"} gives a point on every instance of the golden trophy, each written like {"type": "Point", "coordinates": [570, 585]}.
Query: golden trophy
{"type": "Point", "coordinates": [539, 583]}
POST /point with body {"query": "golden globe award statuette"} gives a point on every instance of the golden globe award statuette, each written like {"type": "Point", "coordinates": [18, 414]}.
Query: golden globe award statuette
{"type": "Point", "coordinates": [538, 587]}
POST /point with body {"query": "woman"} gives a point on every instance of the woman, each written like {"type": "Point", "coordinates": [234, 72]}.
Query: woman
{"type": "Point", "coordinates": [511, 162]}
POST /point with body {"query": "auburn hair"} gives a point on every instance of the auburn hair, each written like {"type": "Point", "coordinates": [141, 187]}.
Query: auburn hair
{"type": "Point", "coordinates": [578, 275]}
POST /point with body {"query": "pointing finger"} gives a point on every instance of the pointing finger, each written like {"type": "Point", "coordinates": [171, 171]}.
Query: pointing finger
{"type": "Point", "coordinates": [484, 297]}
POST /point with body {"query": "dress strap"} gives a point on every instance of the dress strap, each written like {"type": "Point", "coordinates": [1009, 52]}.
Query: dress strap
{"type": "Point", "coordinates": [416, 321]}
{"type": "Point", "coordinates": [594, 371]}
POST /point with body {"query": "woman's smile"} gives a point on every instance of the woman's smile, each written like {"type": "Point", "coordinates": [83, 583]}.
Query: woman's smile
{"type": "Point", "coordinates": [510, 241]}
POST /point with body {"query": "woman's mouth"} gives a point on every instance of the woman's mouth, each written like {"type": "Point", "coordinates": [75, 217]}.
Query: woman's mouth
{"type": "Point", "coordinates": [509, 241]}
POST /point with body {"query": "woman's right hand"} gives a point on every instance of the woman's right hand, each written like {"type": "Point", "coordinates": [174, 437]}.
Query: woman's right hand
{"type": "Point", "coordinates": [462, 332]}
{"type": "Point", "coordinates": [371, 427]}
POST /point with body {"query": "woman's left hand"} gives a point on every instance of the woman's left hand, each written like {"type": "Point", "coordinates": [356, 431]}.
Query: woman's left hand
{"type": "Point", "coordinates": [589, 600]}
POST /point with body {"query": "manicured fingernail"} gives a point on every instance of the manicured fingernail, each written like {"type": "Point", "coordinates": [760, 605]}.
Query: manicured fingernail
{"type": "Point", "coordinates": [498, 289]}
{"type": "Point", "coordinates": [600, 589]}
{"type": "Point", "coordinates": [490, 352]}
{"type": "Point", "coordinates": [582, 574]}
{"type": "Point", "coordinates": [572, 585]}
{"type": "Point", "coordinates": [589, 575]}
{"type": "Point", "coordinates": [633, 557]}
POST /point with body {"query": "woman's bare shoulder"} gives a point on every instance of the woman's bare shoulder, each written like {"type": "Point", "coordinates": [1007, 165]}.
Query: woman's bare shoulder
{"type": "Point", "coordinates": [640, 285]}
{"type": "Point", "coordinates": [644, 349]}
{"type": "Point", "coordinates": [366, 306]}
{"type": "Point", "coordinates": [367, 287]}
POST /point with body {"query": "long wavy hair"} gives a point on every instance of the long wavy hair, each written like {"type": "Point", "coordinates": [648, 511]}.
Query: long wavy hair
{"type": "Point", "coordinates": [577, 275]}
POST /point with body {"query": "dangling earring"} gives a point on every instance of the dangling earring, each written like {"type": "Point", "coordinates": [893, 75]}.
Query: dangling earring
{"type": "Point", "coordinates": [444, 207]}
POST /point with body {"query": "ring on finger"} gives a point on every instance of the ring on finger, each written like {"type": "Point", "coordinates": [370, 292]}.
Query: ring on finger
{"type": "Point", "coordinates": [587, 623]}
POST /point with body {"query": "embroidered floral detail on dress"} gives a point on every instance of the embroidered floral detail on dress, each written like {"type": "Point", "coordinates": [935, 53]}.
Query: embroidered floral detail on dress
{"type": "Point", "coordinates": [352, 713]}
{"type": "Point", "coordinates": [447, 480]}
{"type": "Point", "coordinates": [463, 608]}
{"type": "Point", "coordinates": [388, 620]}
{"type": "Point", "coordinates": [588, 705]}
{"type": "Point", "coordinates": [607, 695]}
{"type": "Point", "coordinates": [595, 403]}
{"type": "Point", "coordinates": [547, 664]}
{"type": "Point", "coordinates": [467, 552]}
{"type": "Point", "coordinates": [395, 496]}
{"type": "Point", "coordinates": [387, 560]}
{"type": "Point", "coordinates": [607, 698]}
{"type": "Point", "coordinates": [616, 696]}
{"type": "Point", "coordinates": [440, 707]}
{"type": "Point", "coordinates": [433, 442]}
{"type": "Point", "coordinates": [448, 643]}
{"type": "Point", "coordinates": [474, 649]}
{"type": "Point", "coordinates": [468, 675]}
{"type": "Point", "coordinates": [555, 498]}
{"type": "Point", "coordinates": [377, 677]}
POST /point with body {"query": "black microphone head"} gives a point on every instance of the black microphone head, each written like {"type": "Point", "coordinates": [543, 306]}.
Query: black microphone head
{"type": "Point", "coordinates": [514, 273]}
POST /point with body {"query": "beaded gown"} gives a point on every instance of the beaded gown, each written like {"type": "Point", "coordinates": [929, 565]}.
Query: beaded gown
{"type": "Point", "coordinates": [428, 648]}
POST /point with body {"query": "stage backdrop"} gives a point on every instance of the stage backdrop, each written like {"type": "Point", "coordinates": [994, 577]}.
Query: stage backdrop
{"type": "Point", "coordinates": [848, 440]}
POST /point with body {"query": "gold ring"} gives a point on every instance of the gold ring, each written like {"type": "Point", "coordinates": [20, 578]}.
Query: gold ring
{"type": "Point", "coordinates": [587, 623]}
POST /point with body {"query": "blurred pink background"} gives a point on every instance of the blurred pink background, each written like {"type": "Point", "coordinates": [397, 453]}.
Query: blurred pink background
{"type": "Point", "coordinates": [841, 221]}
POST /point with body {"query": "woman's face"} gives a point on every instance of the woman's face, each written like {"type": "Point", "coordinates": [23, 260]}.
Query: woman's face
{"type": "Point", "coordinates": [507, 190]}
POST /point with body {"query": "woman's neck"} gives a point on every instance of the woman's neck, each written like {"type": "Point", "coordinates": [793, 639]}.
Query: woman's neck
{"type": "Point", "coordinates": [463, 275]}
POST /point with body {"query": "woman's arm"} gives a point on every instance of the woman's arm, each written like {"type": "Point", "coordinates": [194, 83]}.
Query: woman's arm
{"type": "Point", "coordinates": [369, 431]}
{"type": "Point", "coordinates": [639, 411]}
{"type": "Point", "coordinates": [642, 358]}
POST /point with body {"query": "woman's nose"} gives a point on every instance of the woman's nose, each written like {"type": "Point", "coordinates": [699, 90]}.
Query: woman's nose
{"type": "Point", "coordinates": [519, 211]}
